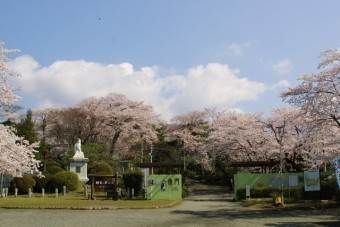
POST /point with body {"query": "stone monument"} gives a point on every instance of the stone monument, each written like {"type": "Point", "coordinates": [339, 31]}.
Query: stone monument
{"type": "Point", "coordinates": [78, 163]}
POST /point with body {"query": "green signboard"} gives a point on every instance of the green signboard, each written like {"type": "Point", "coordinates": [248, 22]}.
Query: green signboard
{"type": "Point", "coordinates": [164, 186]}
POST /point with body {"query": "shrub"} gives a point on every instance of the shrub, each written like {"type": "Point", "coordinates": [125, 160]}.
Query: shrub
{"type": "Point", "coordinates": [100, 167]}
{"type": "Point", "coordinates": [42, 182]}
{"type": "Point", "coordinates": [65, 178]}
{"type": "Point", "coordinates": [337, 195]}
{"type": "Point", "coordinates": [134, 179]}
{"type": "Point", "coordinates": [23, 184]}
{"type": "Point", "coordinates": [329, 189]}
{"type": "Point", "coordinates": [268, 192]}
{"type": "Point", "coordinates": [54, 169]}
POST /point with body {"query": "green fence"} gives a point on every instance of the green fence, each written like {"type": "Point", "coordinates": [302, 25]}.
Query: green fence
{"type": "Point", "coordinates": [161, 186]}
{"type": "Point", "coordinates": [274, 181]}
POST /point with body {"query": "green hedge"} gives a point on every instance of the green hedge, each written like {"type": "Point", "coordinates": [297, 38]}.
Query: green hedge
{"type": "Point", "coordinates": [23, 184]}
{"type": "Point", "coordinates": [42, 182]}
{"type": "Point", "coordinates": [100, 167]}
{"type": "Point", "coordinates": [54, 169]}
{"type": "Point", "coordinates": [65, 178]}
{"type": "Point", "coordinates": [329, 190]}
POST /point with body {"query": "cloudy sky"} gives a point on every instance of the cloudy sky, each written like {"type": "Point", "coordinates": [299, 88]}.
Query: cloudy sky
{"type": "Point", "coordinates": [177, 56]}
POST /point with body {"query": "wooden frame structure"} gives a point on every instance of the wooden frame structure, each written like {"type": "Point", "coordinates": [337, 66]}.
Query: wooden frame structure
{"type": "Point", "coordinates": [263, 164]}
{"type": "Point", "coordinates": [110, 186]}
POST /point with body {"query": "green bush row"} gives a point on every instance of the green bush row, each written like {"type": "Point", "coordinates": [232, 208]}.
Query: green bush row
{"type": "Point", "coordinates": [267, 192]}
{"type": "Point", "coordinates": [54, 177]}
{"type": "Point", "coordinates": [329, 190]}
{"type": "Point", "coordinates": [49, 182]}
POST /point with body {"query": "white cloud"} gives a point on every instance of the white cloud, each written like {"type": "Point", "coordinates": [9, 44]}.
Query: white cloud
{"type": "Point", "coordinates": [238, 49]}
{"type": "Point", "coordinates": [234, 49]}
{"type": "Point", "coordinates": [216, 85]}
{"type": "Point", "coordinates": [281, 83]}
{"type": "Point", "coordinates": [64, 83]}
{"type": "Point", "coordinates": [283, 66]}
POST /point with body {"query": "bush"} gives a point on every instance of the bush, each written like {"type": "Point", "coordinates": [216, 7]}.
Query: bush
{"type": "Point", "coordinates": [23, 184]}
{"type": "Point", "coordinates": [268, 192]}
{"type": "Point", "coordinates": [100, 167]}
{"type": "Point", "coordinates": [54, 169]}
{"type": "Point", "coordinates": [134, 179]}
{"type": "Point", "coordinates": [328, 191]}
{"type": "Point", "coordinates": [42, 182]}
{"type": "Point", "coordinates": [329, 188]}
{"type": "Point", "coordinates": [65, 178]}
{"type": "Point", "coordinates": [337, 195]}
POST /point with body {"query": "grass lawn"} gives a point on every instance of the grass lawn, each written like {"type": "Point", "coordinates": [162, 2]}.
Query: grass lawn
{"type": "Point", "coordinates": [75, 201]}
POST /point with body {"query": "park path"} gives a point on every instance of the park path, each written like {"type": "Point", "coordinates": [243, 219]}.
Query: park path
{"type": "Point", "coordinates": [206, 206]}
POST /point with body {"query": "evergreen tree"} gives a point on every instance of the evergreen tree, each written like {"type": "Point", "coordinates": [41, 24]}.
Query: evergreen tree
{"type": "Point", "coordinates": [26, 128]}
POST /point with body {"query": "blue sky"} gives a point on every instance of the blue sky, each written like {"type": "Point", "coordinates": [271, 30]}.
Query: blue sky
{"type": "Point", "coordinates": [177, 55]}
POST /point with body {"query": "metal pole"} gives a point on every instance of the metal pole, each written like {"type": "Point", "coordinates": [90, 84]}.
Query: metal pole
{"type": "Point", "coordinates": [2, 178]}
{"type": "Point", "coordinates": [151, 154]}
{"type": "Point", "coordinates": [281, 170]}
{"type": "Point", "coordinates": [184, 160]}
{"type": "Point", "coordinates": [280, 131]}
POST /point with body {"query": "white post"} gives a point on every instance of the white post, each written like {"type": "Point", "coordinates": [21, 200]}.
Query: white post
{"type": "Point", "coordinates": [15, 192]}
{"type": "Point", "coordinates": [64, 190]}
{"type": "Point", "coordinates": [85, 190]}
{"type": "Point", "coordinates": [247, 191]}
{"type": "Point", "coordinates": [56, 192]}
{"type": "Point", "coordinates": [43, 192]}
{"type": "Point", "coordinates": [29, 192]}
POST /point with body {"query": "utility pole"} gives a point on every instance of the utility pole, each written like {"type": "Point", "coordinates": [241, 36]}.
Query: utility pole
{"type": "Point", "coordinates": [151, 155]}
{"type": "Point", "coordinates": [280, 131]}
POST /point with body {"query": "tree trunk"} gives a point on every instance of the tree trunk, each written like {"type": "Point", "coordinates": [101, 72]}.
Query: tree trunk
{"type": "Point", "coordinates": [114, 141]}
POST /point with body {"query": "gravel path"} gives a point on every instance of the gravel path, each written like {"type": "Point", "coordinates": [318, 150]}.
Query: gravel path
{"type": "Point", "coordinates": [207, 206]}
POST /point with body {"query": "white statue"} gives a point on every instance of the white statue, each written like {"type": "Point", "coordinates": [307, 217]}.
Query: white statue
{"type": "Point", "coordinates": [77, 150]}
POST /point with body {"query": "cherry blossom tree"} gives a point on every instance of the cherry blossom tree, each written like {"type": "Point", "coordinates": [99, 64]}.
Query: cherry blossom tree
{"type": "Point", "coordinates": [235, 136]}
{"type": "Point", "coordinates": [16, 154]}
{"type": "Point", "coordinates": [189, 131]}
{"type": "Point", "coordinates": [319, 94]}
{"type": "Point", "coordinates": [123, 122]}
{"type": "Point", "coordinates": [290, 128]}
{"type": "Point", "coordinates": [68, 124]}
{"type": "Point", "coordinates": [113, 120]}
{"type": "Point", "coordinates": [238, 136]}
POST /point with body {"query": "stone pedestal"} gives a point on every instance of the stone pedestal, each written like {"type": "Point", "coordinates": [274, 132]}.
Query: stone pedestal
{"type": "Point", "coordinates": [79, 166]}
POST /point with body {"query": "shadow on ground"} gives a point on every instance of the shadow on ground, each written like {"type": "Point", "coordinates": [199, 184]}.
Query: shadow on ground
{"type": "Point", "coordinates": [217, 202]}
